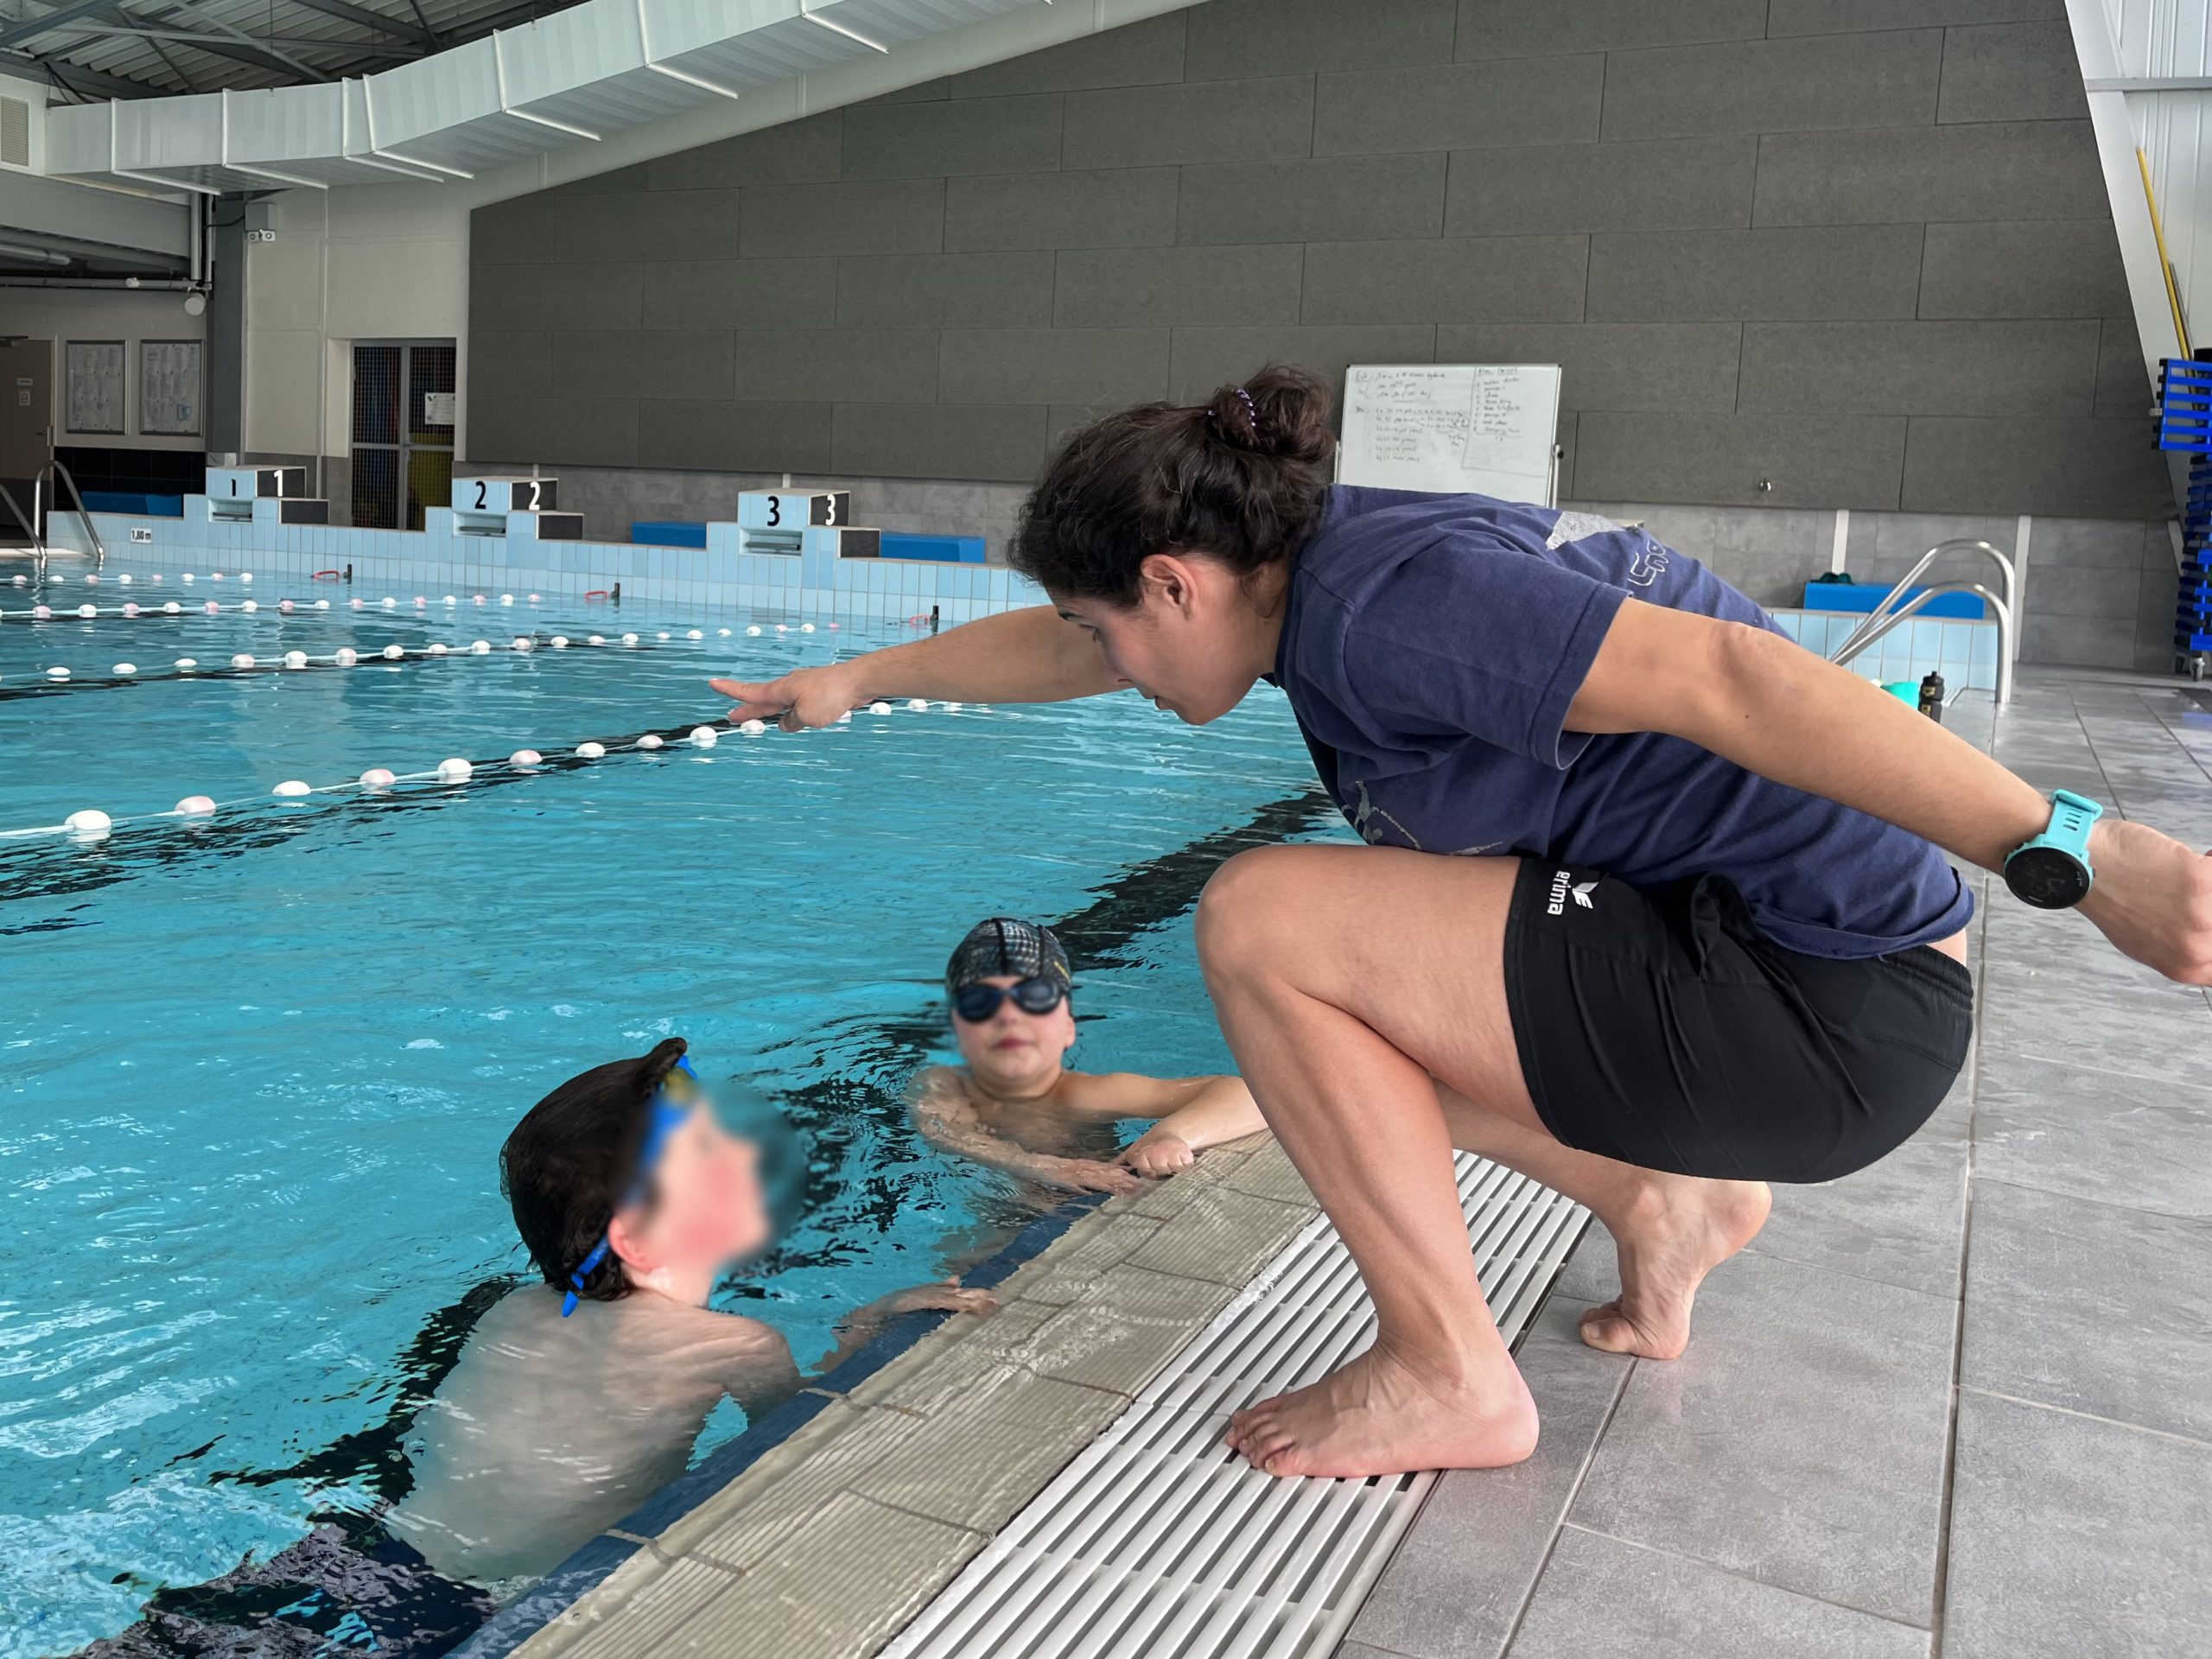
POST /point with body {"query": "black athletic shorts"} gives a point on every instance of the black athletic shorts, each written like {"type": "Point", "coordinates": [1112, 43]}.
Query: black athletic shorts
{"type": "Point", "coordinates": [1663, 1029]}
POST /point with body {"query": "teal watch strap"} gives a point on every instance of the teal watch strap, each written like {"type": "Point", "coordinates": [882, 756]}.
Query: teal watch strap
{"type": "Point", "coordinates": [2052, 871]}
{"type": "Point", "coordinates": [2071, 816]}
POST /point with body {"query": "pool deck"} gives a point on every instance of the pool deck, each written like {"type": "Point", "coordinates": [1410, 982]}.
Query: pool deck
{"type": "Point", "coordinates": [1955, 1404]}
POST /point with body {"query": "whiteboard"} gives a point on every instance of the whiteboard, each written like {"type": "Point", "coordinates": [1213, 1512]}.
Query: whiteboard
{"type": "Point", "coordinates": [94, 370]}
{"type": "Point", "coordinates": [1489, 427]}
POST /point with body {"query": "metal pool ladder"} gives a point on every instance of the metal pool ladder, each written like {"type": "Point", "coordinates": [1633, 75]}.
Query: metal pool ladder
{"type": "Point", "coordinates": [1158, 1543]}
{"type": "Point", "coordinates": [1886, 615]}
{"type": "Point", "coordinates": [38, 484]}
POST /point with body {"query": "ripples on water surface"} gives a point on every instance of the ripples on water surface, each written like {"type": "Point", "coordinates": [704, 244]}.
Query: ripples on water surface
{"type": "Point", "coordinates": [254, 1074]}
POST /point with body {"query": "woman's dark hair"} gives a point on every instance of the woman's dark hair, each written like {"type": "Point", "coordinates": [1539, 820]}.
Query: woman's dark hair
{"type": "Point", "coordinates": [568, 1165]}
{"type": "Point", "coordinates": [1239, 478]}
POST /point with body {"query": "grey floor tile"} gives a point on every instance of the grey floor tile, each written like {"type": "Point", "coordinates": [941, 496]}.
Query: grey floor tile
{"type": "Point", "coordinates": [2109, 1017]}
{"type": "Point", "coordinates": [1902, 1222]}
{"type": "Point", "coordinates": [2089, 1307]}
{"type": "Point", "coordinates": [2075, 1538]}
{"type": "Point", "coordinates": [1799, 1442]}
{"type": "Point", "coordinates": [1461, 1575]}
{"type": "Point", "coordinates": [2095, 1134]}
{"type": "Point", "coordinates": [1602, 1596]}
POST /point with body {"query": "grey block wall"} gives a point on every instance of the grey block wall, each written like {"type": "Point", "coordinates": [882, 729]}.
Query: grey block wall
{"type": "Point", "coordinates": [1794, 254]}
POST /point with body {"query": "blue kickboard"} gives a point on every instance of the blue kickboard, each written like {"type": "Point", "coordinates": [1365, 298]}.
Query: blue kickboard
{"type": "Point", "coordinates": [1865, 595]}
{"type": "Point", "coordinates": [950, 549]}
{"type": "Point", "coordinates": [668, 532]}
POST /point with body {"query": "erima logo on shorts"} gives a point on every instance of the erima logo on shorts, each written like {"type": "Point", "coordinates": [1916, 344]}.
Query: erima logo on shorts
{"type": "Point", "coordinates": [1560, 889]}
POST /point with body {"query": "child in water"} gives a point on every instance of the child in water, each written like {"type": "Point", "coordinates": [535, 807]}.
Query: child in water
{"type": "Point", "coordinates": [577, 1399]}
{"type": "Point", "coordinates": [1015, 1105]}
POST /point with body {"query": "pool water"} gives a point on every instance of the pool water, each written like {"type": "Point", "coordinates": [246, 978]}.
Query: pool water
{"type": "Point", "coordinates": [258, 1068]}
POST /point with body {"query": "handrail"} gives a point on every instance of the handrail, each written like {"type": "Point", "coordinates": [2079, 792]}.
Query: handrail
{"type": "Point", "coordinates": [1864, 636]}
{"type": "Point", "coordinates": [53, 465]}
{"type": "Point", "coordinates": [1857, 640]}
{"type": "Point", "coordinates": [30, 529]}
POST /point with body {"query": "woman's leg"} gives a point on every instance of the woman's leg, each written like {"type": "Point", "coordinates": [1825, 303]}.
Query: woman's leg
{"type": "Point", "coordinates": [1363, 991]}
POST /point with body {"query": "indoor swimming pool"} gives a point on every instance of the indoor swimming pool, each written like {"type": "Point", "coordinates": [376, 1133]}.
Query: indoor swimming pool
{"type": "Point", "coordinates": [259, 1063]}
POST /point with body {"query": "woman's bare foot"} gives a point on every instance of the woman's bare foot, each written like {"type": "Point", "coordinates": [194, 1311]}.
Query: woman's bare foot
{"type": "Point", "coordinates": [1377, 1414]}
{"type": "Point", "coordinates": [1675, 1231]}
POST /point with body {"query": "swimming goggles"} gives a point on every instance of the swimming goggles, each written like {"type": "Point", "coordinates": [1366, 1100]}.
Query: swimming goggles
{"type": "Point", "coordinates": [976, 1004]}
{"type": "Point", "coordinates": [671, 1103]}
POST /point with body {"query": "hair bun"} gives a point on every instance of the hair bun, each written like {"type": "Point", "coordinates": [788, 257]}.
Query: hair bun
{"type": "Point", "coordinates": [1281, 410]}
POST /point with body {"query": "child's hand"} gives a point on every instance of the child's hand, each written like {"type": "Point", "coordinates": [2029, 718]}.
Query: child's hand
{"type": "Point", "coordinates": [948, 1296]}
{"type": "Point", "coordinates": [1158, 1154]}
{"type": "Point", "coordinates": [1088, 1175]}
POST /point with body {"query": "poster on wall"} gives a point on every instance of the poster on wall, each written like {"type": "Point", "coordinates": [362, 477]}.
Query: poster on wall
{"type": "Point", "coordinates": [95, 376]}
{"type": "Point", "coordinates": [168, 386]}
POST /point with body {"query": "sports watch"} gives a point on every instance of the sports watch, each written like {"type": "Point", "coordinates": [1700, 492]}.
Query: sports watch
{"type": "Point", "coordinates": [2052, 872]}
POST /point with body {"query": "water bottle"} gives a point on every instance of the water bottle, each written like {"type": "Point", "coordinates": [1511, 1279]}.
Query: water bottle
{"type": "Point", "coordinates": [1931, 698]}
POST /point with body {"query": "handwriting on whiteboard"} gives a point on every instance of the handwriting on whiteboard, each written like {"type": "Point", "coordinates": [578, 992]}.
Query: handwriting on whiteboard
{"type": "Point", "coordinates": [1497, 418]}
{"type": "Point", "coordinates": [1413, 414]}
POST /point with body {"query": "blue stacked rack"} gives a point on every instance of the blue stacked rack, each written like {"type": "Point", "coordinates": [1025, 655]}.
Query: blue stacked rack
{"type": "Point", "coordinates": [2185, 423]}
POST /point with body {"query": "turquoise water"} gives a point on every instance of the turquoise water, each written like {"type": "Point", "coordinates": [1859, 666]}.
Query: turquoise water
{"type": "Point", "coordinates": [256, 1068]}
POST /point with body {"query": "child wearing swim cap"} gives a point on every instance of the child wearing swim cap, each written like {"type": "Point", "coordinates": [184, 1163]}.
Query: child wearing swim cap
{"type": "Point", "coordinates": [1016, 1106]}
{"type": "Point", "coordinates": [579, 1396]}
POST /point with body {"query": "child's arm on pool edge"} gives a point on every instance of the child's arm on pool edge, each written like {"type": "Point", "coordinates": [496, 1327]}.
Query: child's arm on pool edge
{"type": "Point", "coordinates": [1025, 655]}
{"type": "Point", "coordinates": [1194, 1112]}
{"type": "Point", "coordinates": [943, 1118]}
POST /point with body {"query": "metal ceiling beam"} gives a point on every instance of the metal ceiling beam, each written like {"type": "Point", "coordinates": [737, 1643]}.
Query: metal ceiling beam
{"type": "Point", "coordinates": [204, 40]}
{"type": "Point", "coordinates": [31, 27]}
{"type": "Point", "coordinates": [351, 13]}
{"type": "Point", "coordinates": [75, 78]}
{"type": "Point", "coordinates": [284, 60]}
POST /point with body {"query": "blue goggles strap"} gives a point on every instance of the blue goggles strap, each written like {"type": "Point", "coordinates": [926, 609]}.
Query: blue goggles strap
{"type": "Point", "coordinates": [667, 1115]}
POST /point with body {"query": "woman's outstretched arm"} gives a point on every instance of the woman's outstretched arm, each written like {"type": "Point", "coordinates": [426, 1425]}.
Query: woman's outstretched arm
{"type": "Point", "coordinates": [1024, 656]}
{"type": "Point", "coordinates": [1777, 709]}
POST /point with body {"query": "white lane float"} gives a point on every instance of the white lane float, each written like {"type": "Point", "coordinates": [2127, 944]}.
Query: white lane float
{"type": "Point", "coordinates": [393, 653]}
{"type": "Point", "coordinates": [590, 750]}
{"type": "Point", "coordinates": [436, 648]}
{"type": "Point", "coordinates": [454, 770]}
{"type": "Point", "coordinates": [754, 727]}
{"type": "Point", "coordinates": [57, 673]}
{"type": "Point", "coordinates": [449, 600]}
{"type": "Point", "coordinates": [293, 787]}
{"type": "Point", "coordinates": [661, 635]}
{"type": "Point", "coordinates": [195, 806]}
{"type": "Point", "coordinates": [88, 821]}
{"type": "Point", "coordinates": [296, 659]}
{"type": "Point", "coordinates": [704, 737]}
{"type": "Point", "coordinates": [596, 639]}
{"type": "Point", "coordinates": [125, 580]}
{"type": "Point", "coordinates": [346, 656]}
{"type": "Point", "coordinates": [244, 660]}
{"type": "Point", "coordinates": [879, 707]}
{"type": "Point", "coordinates": [650, 740]}
{"type": "Point", "coordinates": [522, 758]}
{"type": "Point", "coordinates": [377, 777]}
{"type": "Point", "coordinates": [185, 664]}
{"type": "Point", "coordinates": [249, 606]}
{"type": "Point", "coordinates": [918, 705]}
{"type": "Point", "coordinates": [285, 606]}
{"type": "Point", "coordinates": [323, 604]}
{"type": "Point", "coordinates": [357, 602]}
{"type": "Point", "coordinates": [129, 610]}
{"type": "Point", "coordinates": [88, 612]}
{"type": "Point", "coordinates": [91, 580]}
{"type": "Point", "coordinates": [477, 600]}
{"type": "Point", "coordinates": [211, 609]}
{"type": "Point", "coordinates": [172, 608]}
{"type": "Point", "coordinates": [125, 670]}
{"type": "Point", "coordinates": [41, 612]}
{"type": "Point", "coordinates": [559, 642]}
{"type": "Point", "coordinates": [523, 642]}
{"type": "Point", "coordinates": [479, 647]}
{"type": "Point", "coordinates": [722, 634]}
{"type": "Point", "coordinates": [754, 629]}
{"type": "Point", "coordinates": [695, 634]}
{"type": "Point", "coordinates": [507, 599]}
{"type": "Point", "coordinates": [629, 639]}
{"type": "Point", "coordinates": [806, 627]}
{"type": "Point", "coordinates": [390, 604]}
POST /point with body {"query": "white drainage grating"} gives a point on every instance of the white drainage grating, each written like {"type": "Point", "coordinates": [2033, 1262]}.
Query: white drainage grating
{"type": "Point", "coordinates": [1157, 1542]}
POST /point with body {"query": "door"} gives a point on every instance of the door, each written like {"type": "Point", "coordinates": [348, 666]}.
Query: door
{"type": "Point", "coordinates": [402, 431]}
{"type": "Point", "coordinates": [26, 422]}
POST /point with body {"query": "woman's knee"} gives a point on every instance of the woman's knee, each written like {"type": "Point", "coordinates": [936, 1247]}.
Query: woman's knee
{"type": "Point", "coordinates": [1245, 914]}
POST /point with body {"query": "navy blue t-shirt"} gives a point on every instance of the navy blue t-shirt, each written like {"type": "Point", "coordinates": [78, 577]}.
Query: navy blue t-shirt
{"type": "Point", "coordinates": [1432, 647]}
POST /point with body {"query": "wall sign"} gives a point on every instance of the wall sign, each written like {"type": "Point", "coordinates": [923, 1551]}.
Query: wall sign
{"type": "Point", "coordinates": [168, 385]}
{"type": "Point", "coordinates": [95, 376]}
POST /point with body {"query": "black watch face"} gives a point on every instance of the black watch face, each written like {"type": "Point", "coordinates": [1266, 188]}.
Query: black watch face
{"type": "Point", "coordinates": [2046, 878]}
